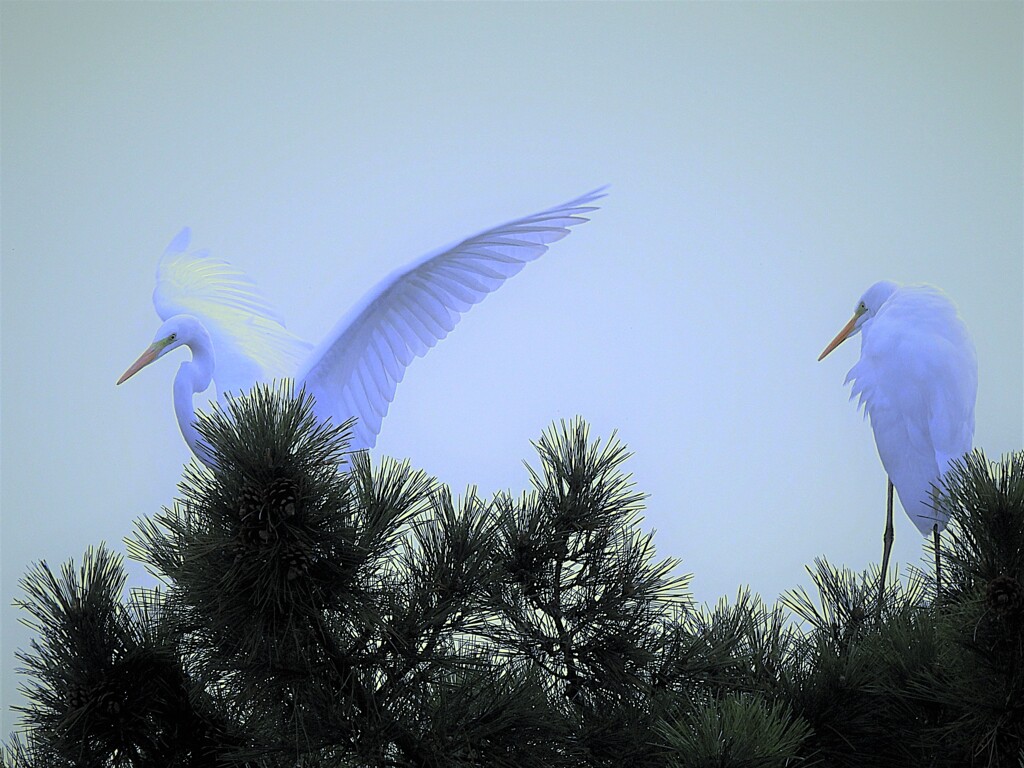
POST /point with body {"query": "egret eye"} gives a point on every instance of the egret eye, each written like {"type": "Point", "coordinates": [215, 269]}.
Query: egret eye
{"type": "Point", "coordinates": [172, 337]}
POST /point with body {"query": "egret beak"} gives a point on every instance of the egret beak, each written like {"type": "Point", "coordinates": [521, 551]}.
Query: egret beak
{"type": "Point", "coordinates": [147, 357]}
{"type": "Point", "coordinates": [840, 337]}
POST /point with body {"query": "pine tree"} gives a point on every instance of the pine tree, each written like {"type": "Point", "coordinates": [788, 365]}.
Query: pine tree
{"type": "Point", "coordinates": [980, 614]}
{"type": "Point", "coordinates": [580, 598]}
{"type": "Point", "coordinates": [319, 610]}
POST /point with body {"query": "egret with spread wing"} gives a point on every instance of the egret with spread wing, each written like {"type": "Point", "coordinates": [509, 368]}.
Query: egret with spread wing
{"type": "Point", "coordinates": [917, 379]}
{"type": "Point", "coordinates": [237, 339]}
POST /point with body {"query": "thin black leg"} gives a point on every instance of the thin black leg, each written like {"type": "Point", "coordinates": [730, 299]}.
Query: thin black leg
{"type": "Point", "coordinates": [887, 539]}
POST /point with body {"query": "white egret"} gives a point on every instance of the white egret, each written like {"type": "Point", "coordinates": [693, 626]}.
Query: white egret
{"type": "Point", "coordinates": [917, 379]}
{"type": "Point", "coordinates": [237, 339]}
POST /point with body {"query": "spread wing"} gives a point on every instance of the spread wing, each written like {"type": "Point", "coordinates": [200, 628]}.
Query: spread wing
{"type": "Point", "coordinates": [355, 370]}
{"type": "Point", "coordinates": [250, 341]}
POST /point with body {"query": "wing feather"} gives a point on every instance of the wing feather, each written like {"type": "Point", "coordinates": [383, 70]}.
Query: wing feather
{"type": "Point", "coordinates": [417, 324]}
{"type": "Point", "coordinates": [355, 370]}
{"type": "Point", "coordinates": [250, 341]}
{"type": "Point", "coordinates": [404, 343]}
{"type": "Point", "coordinates": [387, 355]}
{"type": "Point", "coordinates": [450, 295]}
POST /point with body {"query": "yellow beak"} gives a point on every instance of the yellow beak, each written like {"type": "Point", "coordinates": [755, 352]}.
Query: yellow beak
{"type": "Point", "coordinates": [145, 359]}
{"type": "Point", "coordinates": [840, 337]}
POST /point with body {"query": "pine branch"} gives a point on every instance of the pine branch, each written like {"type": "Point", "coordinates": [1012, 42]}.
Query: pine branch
{"type": "Point", "coordinates": [980, 616]}
{"type": "Point", "coordinates": [106, 686]}
{"type": "Point", "coordinates": [736, 732]}
{"type": "Point", "coordinates": [581, 598]}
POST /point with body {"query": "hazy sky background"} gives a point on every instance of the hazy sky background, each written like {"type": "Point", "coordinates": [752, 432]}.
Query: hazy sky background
{"type": "Point", "coordinates": [767, 164]}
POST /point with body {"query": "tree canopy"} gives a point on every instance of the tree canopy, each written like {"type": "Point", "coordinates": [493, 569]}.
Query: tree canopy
{"type": "Point", "coordinates": [319, 610]}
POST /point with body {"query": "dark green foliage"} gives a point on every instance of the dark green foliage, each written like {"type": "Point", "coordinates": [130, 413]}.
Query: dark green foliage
{"type": "Point", "coordinates": [980, 681]}
{"type": "Point", "coordinates": [579, 596]}
{"type": "Point", "coordinates": [106, 684]}
{"type": "Point", "coordinates": [741, 731]}
{"type": "Point", "coordinates": [982, 548]}
{"type": "Point", "coordinates": [846, 663]}
{"type": "Point", "coordinates": [318, 611]}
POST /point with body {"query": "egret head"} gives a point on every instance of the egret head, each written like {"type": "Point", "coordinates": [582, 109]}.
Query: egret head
{"type": "Point", "coordinates": [869, 304]}
{"type": "Point", "coordinates": [178, 330]}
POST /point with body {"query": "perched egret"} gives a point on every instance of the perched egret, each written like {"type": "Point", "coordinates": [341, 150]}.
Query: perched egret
{"type": "Point", "coordinates": [237, 339]}
{"type": "Point", "coordinates": [917, 379]}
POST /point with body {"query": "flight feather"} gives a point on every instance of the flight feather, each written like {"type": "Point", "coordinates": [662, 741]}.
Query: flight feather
{"type": "Point", "coordinates": [355, 370]}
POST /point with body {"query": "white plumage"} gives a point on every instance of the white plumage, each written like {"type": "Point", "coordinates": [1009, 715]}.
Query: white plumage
{"type": "Point", "coordinates": [237, 339]}
{"type": "Point", "coordinates": [917, 379]}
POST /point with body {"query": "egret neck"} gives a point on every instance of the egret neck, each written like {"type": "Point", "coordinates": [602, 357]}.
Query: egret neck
{"type": "Point", "coordinates": [194, 376]}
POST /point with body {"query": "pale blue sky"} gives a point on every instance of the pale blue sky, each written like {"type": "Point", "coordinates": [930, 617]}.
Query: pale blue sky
{"type": "Point", "coordinates": [767, 162]}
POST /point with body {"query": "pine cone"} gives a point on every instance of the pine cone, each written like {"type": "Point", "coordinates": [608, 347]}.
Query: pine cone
{"type": "Point", "coordinates": [78, 696]}
{"type": "Point", "coordinates": [1004, 595]}
{"type": "Point", "coordinates": [250, 503]}
{"type": "Point", "coordinates": [296, 558]}
{"type": "Point", "coordinates": [111, 709]}
{"type": "Point", "coordinates": [237, 550]}
{"type": "Point", "coordinates": [252, 533]}
{"type": "Point", "coordinates": [282, 496]}
{"type": "Point", "coordinates": [110, 704]}
{"type": "Point", "coordinates": [252, 512]}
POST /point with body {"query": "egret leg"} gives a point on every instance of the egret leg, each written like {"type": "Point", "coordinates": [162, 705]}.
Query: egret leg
{"type": "Point", "coordinates": [887, 538]}
{"type": "Point", "coordinates": [938, 567]}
